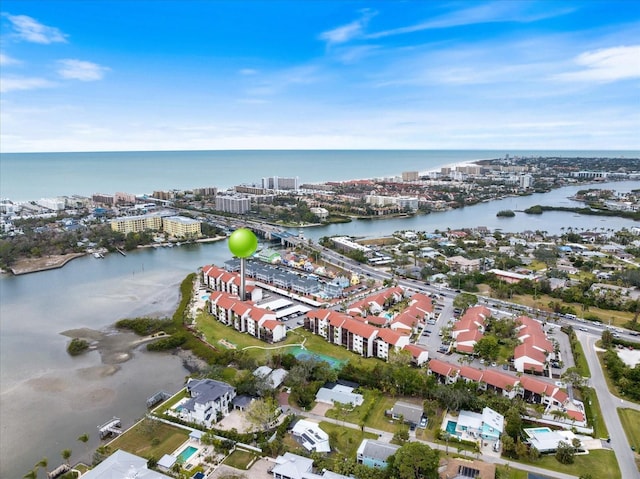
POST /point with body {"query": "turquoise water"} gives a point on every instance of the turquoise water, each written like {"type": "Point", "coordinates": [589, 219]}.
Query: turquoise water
{"type": "Point", "coordinates": [186, 453]}
{"type": "Point", "coordinates": [300, 353]}
{"type": "Point", "coordinates": [451, 427]}
{"type": "Point", "coordinates": [539, 429]}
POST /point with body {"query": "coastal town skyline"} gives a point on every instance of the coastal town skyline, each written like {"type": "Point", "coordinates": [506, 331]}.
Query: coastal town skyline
{"type": "Point", "coordinates": [378, 75]}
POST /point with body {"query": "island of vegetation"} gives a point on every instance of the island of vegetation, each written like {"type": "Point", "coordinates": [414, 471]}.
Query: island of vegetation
{"type": "Point", "coordinates": [506, 213]}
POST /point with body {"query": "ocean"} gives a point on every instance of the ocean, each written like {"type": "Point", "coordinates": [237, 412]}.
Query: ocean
{"type": "Point", "coordinates": [31, 176]}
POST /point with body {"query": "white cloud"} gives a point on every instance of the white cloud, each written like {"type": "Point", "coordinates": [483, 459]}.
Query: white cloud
{"type": "Point", "coordinates": [30, 30]}
{"type": "Point", "coordinates": [81, 70]}
{"type": "Point", "coordinates": [349, 31]}
{"type": "Point", "coordinates": [248, 71]}
{"type": "Point", "coordinates": [502, 11]}
{"type": "Point", "coordinates": [7, 60]}
{"type": "Point", "coordinates": [606, 65]}
{"type": "Point", "coordinates": [23, 83]}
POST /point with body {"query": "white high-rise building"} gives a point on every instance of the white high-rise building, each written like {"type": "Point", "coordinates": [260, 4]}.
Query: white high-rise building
{"type": "Point", "coordinates": [233, 204]}
{"type": "Point", "coordinates": [280, 183]}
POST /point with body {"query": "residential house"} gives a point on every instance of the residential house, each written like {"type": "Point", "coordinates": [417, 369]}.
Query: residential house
{"type": "Point", "coordinates": [373, 453]}
{"type": "Point", "coordinates": [410, 413]}
{"type": "Point", "coordinates": [292, 466]}
{"type": "Point", "coordinates": [341, 392]}
{"type": "Point", "coordinates": [123, 464]}
{"type": "Point", "coordinates": [209, 399]}
{"type": "Point", "coordinates": [309, 435]}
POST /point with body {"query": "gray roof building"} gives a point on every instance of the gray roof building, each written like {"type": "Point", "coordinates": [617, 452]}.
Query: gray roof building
{"type": "Point", "coordinates": [409, 412]}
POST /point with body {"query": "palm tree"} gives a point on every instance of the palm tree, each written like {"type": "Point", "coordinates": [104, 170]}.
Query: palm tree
{"type": "Point", "coordinates": [66, 455]}
{"type": "Point", "coordinates": [43, 463]}
{"type": "Point", "coordinates": [84, 438]}
{"type": "Point", "coordinates": [32, 474]}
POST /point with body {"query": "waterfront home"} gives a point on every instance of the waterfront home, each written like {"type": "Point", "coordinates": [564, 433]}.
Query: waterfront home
{"type": "Point", "coordinates": [209, 401]}
{"type": "Point", "coordinates": [123, 464]}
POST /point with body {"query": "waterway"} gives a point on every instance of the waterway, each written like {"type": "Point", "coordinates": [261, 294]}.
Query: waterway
{"type": "Point", "coordinates": [48, 399]}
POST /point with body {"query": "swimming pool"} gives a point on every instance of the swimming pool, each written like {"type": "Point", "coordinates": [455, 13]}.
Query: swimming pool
{"type": "Point", "coordinates": [451, 427]}
{"type": "Point", "coordinates": [538, 430]}
{"type": "Point", "coordinates": [300, 353]}
{"type": "Point", "coordinates": [186, 453]}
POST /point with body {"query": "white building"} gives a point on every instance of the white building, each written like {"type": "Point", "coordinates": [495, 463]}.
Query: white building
{"type": "Point", "coordinates": [233, 204]}
{"type": "Point", "coordinates": [125, 465]}
{"type": "Point", "coordinates": [310, 436]}
{"type": "Point", "coordinates": [208, 399]}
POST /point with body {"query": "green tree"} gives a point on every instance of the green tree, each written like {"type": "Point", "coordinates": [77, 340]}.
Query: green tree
{"type": "Point", "coordinates": [415, 460]}
{"type": "Point", "coordinates": [401, 435]}
{"type": "Point", "coordinates": [465, 300]}
{"type": "Point", "coordinates": [66, 455]}
{"type": "Point", "coordinates": [607, 339]}
{"type": "Point", "coordinates": [487, 347]}
{"type": "Point", "coordinates": [262, 413]}
{"type": "Point", "coordinates": [565, 453]}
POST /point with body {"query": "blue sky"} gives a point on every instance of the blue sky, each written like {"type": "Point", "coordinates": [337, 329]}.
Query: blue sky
{"type": "Point", "coordinates": [197, 75]}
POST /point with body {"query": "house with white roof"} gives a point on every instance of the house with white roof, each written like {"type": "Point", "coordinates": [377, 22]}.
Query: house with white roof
{"type": "Point", "coordinates": [331, 393]}
{"type": "Point", "coordinates": [488, 425]}
{"type": "Point", "coordinates": [292, 466]}
{"type": "Point", "coordinates": [123, 465]}
{"type": "Point", "coordinates": [309, 435]}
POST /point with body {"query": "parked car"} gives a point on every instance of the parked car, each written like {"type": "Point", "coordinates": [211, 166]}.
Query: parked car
{"type": "Point", "coordinates": [423, 423]}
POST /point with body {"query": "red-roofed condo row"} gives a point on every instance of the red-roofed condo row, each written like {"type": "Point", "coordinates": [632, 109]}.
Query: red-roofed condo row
{"type": "Point", "coordinates": [359, 337]}
{"type": "Point", "coordinates": [531, 389]}
{"type": "Point", "coordinates": [469, 329]}
{"type": "Point", "coordinates": [245, 317]}
{"type": "Point", "coordinates": [531, 354]}
{"type": "Point", "coordinates": [219, 279]}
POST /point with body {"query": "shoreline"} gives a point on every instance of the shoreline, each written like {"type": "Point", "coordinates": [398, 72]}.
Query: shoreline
{"type": "Point", "coordinates": [34, 265]}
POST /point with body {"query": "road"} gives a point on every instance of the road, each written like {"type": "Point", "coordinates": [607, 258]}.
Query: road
{"type": "Point", "coordinates": [386, 436]}
{"type": "Point", "coordinates": [608, 405]}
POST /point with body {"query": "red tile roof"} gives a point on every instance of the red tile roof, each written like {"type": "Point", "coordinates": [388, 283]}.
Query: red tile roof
{"type": "Point", "coordinates": [361, 329]}
{"type": "Point", "coordinates": [577, 415]}
{"type": "Point", "coordinates": [271, 324]}
{"type": "Point", "coordinates": [415, 350]}
{"type": "Point", "coordinates": [389, 336]}
{"type": "Point", "coordinates": [442, 368]}
{"type": "Point", "coordinates": [471, 373]}
{"type": "Point", "coordinates": [466, 336]}
{"type": "Point", "coordinates": [526, 350]}
{"type": "Point", "coordinates": [464, 348]}
{"type": "Point", "coordinates": [498, 380]}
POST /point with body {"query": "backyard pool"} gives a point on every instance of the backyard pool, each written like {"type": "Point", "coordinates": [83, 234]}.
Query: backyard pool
{"type": "Point", "coordinates": [538, 430]}
{"type": "Point", "coordinates": [186, 453]}
{"type": "Point", "coordinates": [451, 427]}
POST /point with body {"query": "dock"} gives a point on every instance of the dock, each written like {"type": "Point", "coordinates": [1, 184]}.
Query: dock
{"type": "Point", "coordinates": [121, 252]}
{"type": "Point", "coordinates": [157, 398]}
{"type": "Point", "coordinates": [110, 427]}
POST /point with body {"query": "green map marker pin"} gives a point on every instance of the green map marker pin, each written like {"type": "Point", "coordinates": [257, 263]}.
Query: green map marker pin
{"type": "Point", "coordinates": [243, 243]}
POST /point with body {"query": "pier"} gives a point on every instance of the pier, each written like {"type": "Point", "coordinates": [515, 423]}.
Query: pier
{"type": "Point", "coordinates": [121, 252]}
{"type": "Point", "coordinates": [110, 427]}
{"type": "Point", "coordinates": [157, 398]}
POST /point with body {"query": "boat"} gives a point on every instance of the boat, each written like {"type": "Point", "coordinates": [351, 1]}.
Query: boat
{"type": "Point", "coordinates": [98, 255]}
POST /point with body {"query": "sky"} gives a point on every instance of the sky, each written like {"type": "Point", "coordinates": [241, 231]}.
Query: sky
{"type": "Point", "coordinates": [216, 75]}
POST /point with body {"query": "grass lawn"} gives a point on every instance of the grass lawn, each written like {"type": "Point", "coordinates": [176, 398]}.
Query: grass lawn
{"type": "Point", "coordinates": [618, 318]}
{"type": "Point", "coordinates": [373, 407]}
{"type": "Point", "coordinates": [581, 360]}
{"type": "Point", "coordinates": [172, 401]}
{"type": "Point", "coordinates": [345, 440]}
{"type": "Point", "coordinates": [630, 419]}
{"type": "Point", "coordinates": [508, 472]}
{"type": "Point", "coordinates": [239, 459]}
{"type": "Point", "coordinates": [592, 406]}
{"type": "Point", "coordinates": [598, 463]}
{"type": "Point", "coordinates": [138, 439]}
